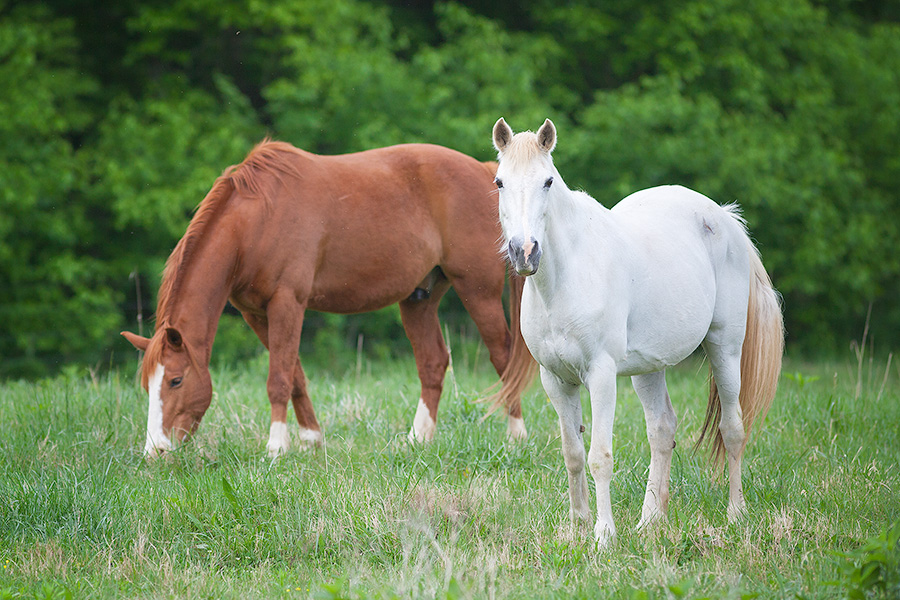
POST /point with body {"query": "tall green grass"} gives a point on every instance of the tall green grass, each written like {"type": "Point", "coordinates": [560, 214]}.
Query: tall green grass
{"type": "Point", "coordinates": [83, 515]}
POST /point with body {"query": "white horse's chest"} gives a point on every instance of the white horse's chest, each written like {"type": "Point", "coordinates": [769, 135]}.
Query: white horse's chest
{"type": "Point", "coordinates": [559, 340]}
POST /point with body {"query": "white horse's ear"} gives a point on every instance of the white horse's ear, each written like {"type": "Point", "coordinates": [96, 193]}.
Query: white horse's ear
{"type": "Point", "coordinates": [547, 136]}
{"type": "Point", "coordinates": [502, 134]}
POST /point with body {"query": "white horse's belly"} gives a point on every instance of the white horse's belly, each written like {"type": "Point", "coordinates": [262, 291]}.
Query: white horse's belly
{"type": "Point", "coordinates": [664, 338]}
{"type": "Point", "coordinates": [639, 362]}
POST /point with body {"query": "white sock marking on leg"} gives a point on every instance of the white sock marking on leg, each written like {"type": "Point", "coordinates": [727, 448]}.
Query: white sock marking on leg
{"type": "Point", "coordinates": [423, 425]}
{"type": "Point", "coordinates": [309, 438]}
{"type": "Point", "coordinates": [515, 428]}
{"type": "Point", "coordinates": [278, 439]}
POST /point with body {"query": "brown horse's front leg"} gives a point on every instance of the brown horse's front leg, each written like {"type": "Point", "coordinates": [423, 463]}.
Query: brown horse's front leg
{"type": "Point", "coordinates": [285, 319]}
{"type": "Point", "coordinates": [280, 331]}
{"type": "Point", "coordinates": [310, 432]}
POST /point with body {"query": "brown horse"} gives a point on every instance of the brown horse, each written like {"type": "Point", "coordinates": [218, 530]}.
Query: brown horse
{"type": "Point", "coordinates": [287, 231]}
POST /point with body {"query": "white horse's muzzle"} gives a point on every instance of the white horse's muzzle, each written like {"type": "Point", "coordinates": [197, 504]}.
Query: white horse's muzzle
{"type": "Point", "coordinates": [524, 257]}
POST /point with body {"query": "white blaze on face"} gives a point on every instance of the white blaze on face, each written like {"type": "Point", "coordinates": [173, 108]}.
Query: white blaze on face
{"type": "Point", "coordinates": [157, 440]}
{"type": "Point", "coordinates": [423, 425]}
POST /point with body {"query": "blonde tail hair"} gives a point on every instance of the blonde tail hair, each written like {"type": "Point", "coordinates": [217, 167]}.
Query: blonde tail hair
{"type": "Point", "coordinates": [761, 355]}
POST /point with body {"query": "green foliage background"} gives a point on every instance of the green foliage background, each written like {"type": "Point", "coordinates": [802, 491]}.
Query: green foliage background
{"type": "Point", "coordinates": [116, 118]}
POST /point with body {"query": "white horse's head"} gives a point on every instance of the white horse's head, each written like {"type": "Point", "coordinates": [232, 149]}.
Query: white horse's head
{"type": "Point", "coordinates": [525, 177]}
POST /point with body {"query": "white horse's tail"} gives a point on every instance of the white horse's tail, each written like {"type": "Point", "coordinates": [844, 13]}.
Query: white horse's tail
{"type": "Point", "coordinates": [760, 359]}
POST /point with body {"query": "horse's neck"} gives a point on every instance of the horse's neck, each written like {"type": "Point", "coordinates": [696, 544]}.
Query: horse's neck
{"type": "Point", "coordinates": [205, 282]}
{"type": "Point", "coordinates": [577, 227]}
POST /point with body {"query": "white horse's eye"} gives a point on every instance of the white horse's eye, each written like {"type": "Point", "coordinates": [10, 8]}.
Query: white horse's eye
{"type": "Point", "coordinates": [499, 182]}
{"type": "Point", "coordinates": [548, 183]}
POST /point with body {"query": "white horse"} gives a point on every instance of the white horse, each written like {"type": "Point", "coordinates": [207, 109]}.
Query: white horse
{"type": "Point", "coordinates": [631, 291]}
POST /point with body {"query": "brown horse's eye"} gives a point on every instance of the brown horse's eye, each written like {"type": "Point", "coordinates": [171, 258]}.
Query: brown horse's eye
{"type": "Point", "coordinates": [175, 382]}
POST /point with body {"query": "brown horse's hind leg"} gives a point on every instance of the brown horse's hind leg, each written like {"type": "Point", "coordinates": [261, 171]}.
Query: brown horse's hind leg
{"type": "Point", "coordinates": [484, 303]}
{"type": "Point", "coordinates": [310, 432]}
{"type": "Point", "coordinates": [423, 329]}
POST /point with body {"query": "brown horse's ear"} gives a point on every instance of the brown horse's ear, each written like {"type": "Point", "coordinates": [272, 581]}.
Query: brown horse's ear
{"type": "Point", "coordinates": [547, 136]}
{"type": "Point", "coordinates": [137, 341]}
{"type": "Point", "coordinates": [173, 338]}
{"type": "Point", "coordinates": [503, 134]}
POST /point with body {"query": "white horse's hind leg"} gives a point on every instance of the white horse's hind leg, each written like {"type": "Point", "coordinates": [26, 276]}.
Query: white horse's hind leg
{"type": "Point", "coordinates": [567, 402]}
{"type": "Point", "coordinates": [726, 368]}
{"type": "Point", "coordinates": [661, 423]}
{"type": "Point", "coordinates": [602, 385]}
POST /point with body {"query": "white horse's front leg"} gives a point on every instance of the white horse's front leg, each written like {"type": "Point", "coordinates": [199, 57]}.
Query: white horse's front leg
{"type": "Point", "coordinates": [602, 386]}
{"type": "Point", "coordinates": [567, 402]}
{"type": "Point", "coordinates": [661, 423]}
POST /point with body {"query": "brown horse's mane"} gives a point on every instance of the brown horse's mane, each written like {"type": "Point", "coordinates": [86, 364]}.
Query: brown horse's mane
{"type": "Point", "coordinates": [254, 178]}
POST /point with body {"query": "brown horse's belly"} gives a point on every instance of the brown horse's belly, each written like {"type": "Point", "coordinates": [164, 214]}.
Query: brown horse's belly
{"type": "Point", "coordinates": [338, 301]}
{"type": "Point", "coordinates": [345, 305]}
{"type": "Point", "coordinates": [363, 294]}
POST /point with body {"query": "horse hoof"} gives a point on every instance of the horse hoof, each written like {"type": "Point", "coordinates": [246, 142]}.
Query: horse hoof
{"type": "Point", "coordinates": [419, 437]}
{"type": "Point", "coordinates": [310, 439]}
{"type": "Point", "coordinates": [604, 534]}
{"type": "Point", "coordinates": [736, 512]}
{"type": "Point", "coordinates": [649, 524]}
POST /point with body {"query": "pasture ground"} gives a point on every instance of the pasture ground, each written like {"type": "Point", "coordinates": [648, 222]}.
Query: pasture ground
{"type": "Point", "coordinates": [468, 516]}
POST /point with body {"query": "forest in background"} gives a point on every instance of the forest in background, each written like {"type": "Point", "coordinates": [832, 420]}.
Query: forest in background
{"type": "Point", "coordinates": [115, 119]}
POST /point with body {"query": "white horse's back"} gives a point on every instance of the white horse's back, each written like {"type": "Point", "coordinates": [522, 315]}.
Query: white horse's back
{"type": "Point", "coordinates": [671, 217]}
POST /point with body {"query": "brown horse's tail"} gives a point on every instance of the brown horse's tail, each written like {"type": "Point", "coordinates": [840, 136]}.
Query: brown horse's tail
{"type": "Point", "coordinates": [760, 360]}
{"type": "Point", "coordinates": [521, 368]}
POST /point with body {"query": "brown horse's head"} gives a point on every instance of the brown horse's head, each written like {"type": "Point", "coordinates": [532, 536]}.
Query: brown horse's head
{"type": "Point", "coordinates": [179, 386]}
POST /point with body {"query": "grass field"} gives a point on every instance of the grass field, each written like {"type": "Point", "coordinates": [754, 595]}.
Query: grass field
{"type": "Point", "coordinates": [82, 515]}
